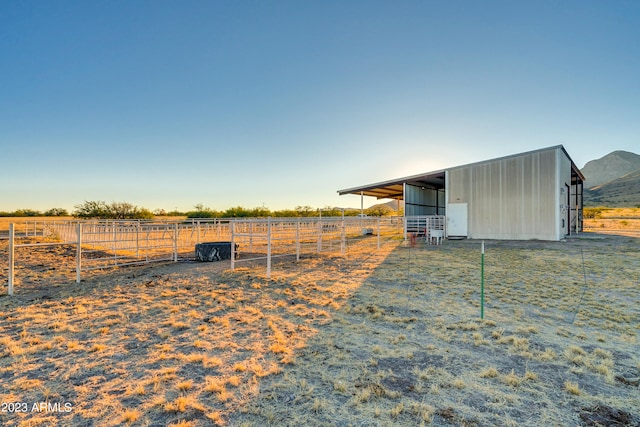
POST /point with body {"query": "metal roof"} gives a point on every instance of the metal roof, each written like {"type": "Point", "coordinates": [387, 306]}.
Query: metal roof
{"type": "Point", "coordinates": [393, 189]}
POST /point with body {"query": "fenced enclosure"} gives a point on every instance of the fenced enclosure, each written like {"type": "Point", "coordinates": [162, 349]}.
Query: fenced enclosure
{"type": "Point", "coordinates": [106, 244]}
{"type": "Point", "coordinates": [422, 225]}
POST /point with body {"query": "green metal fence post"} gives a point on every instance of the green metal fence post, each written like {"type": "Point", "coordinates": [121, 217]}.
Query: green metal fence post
{"type": "Point", "coordinates": [482, 282]}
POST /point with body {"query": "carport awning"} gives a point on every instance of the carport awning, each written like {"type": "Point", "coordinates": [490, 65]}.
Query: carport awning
{"type": "Point", "coordinates": [394, 189]}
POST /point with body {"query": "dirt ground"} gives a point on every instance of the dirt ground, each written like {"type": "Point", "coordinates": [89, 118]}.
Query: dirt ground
{"type": "Point", "coordinates": [378, 337]}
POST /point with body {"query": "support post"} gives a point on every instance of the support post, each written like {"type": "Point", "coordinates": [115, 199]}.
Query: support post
{"type": "Point", "coordinates": [482, 282]}
{"type": "Point", "coordinates": [78, 252]}
{"type": "Point", "coordinates": [11, 257]}
{"type": "Point", "coordinates": [378, 233]}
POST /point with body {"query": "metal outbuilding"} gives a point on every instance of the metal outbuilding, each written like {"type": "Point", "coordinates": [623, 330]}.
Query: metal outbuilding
{"type": "Point", "coordinates": [532, 195]}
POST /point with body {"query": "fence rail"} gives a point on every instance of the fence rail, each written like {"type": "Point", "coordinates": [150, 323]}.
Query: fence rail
{"type": "Point", "coordinates": [106, 244]}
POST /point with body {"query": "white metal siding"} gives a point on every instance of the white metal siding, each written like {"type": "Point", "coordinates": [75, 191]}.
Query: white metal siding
{"type": "Point", "coordinates": [510, 198]}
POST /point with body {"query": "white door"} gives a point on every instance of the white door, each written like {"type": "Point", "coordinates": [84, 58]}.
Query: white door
{"type": "Point", "coordinates": [457, 219]}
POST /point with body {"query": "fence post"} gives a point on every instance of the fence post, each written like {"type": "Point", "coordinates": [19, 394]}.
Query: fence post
{"type": "Point", "coordinates": [405, 222]}
{"type": "Point", "coordinates": [115, 243]}
{"type": "Point", "coordinates": [78, 252]}
{"type": "Point", "coordinates": [482, 281]}
{"type": "Point", "coordinates": [378, 233]}
{"type": "Point", "coordinates": [11, 257]}
{"type": "Point", "coordinates": [320, 235]}
{"type": "Point", "coordinates": [343, 237]}
{"type": "Point", "coordinates": [298, 240]}
{"type": "Point", "coordinates": [175, 242]}
{"type": "Point", "coordinates": [269, 248]}
{"type": "Point", "coordinates": [233, 245]}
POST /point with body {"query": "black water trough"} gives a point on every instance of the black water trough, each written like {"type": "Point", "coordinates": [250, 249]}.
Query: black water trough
{"type": "Point", "coordinates": [214, 251]}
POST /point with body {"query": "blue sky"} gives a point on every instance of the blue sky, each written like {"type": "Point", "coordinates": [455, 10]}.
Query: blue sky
{"type": "Point", "coordinates": [167, 104]}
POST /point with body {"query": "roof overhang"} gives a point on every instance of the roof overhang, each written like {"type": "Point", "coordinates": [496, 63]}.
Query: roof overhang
{"type": "Point", "coordinates": [394, 189]}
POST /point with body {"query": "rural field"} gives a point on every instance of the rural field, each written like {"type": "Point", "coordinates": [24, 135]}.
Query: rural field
{"type": "Point", "coordinates": [625, 221]}
{"type": "Point", "coordinates": [376, 337]}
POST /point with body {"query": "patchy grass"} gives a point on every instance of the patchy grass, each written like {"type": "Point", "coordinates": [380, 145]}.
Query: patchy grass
{"type": "Point", "coordinates": [389, 337]}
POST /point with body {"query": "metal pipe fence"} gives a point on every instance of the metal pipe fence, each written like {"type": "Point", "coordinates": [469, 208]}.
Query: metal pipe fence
{"type": "Point", "coordinates": [423, 224]}
{"type": "Point", "coordinates": [25, 228]}
{"type": "Point", "coordinates": [106, 244]}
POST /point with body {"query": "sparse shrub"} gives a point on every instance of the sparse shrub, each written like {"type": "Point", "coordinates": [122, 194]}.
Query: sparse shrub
{"type": "Point", "coordinates": [185, 385]}
{"type": "Point", "coordinates": [178, 405]}
{"type": "Point", "coordinates": [512, 379]}
{"type": "Point", "coordinates": [340, 386]}
{"type": "Point", "coordinates": [592, 213]}
{"type": "Point", "coordinates": [397, 410]}
{"type": "Point", "coordinates": [572, 388]}
{"type": "Point", "coordinates": [489, 373]}
{"type": "Point", "coordinates": [130, 416]}
{"type": "Point", "coordinates": [318, 405]}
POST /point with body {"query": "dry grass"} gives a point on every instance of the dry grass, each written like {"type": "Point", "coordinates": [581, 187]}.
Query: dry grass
{"type": "Point", "coordinates": [384, 338]}
{"type": "Point", "coordinates": [622, 221]}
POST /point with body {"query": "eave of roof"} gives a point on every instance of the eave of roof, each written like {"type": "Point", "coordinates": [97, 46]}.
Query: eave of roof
{"type": "Point", "coordinates": [393, 189]}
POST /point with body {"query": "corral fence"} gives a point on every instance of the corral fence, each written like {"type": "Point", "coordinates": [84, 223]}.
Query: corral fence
{"type": "Point", "coordinates": [25, 228]}
{"type": "Point", "coordinates": [102, 244]}
{"type": "Point", "coordinates": [423, 225]}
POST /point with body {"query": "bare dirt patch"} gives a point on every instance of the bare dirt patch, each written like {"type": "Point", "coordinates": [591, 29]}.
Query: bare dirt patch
{"type": "Point", "coordinates": [388, 337]}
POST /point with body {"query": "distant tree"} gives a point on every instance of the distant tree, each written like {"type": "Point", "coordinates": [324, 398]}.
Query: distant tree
{"type": "Point", "coordinates": [116, 210]}
{"type": "Point", "coordinates": [260, 212]}
{"type": "Point", "coordinates": [236, 212]}
{"type": "Point", "coordinates": [202, 212]}
{"type": "Point", "coordinates": [379, 210]}
{"type": "Point", "coordinates": [56, 212]}
{"type": "Point", "coordinates": [92, 209]}
{"type": "Point", "coordinates": [27, 212]}
{"type": "Point", "coordinates": [331, 211]}
{"type": "Point", "coordinates": [121, 210]}
{"type": "Point", "coordinates": [306, 211]}
{"type": "Point", "coordinates": [286, 213]}
{"type": "Point", "coordinates": [124, 210]}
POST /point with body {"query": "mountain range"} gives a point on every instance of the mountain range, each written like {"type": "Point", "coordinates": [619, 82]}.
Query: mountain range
{"type": "Point", "coordinates": [613, 180]}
